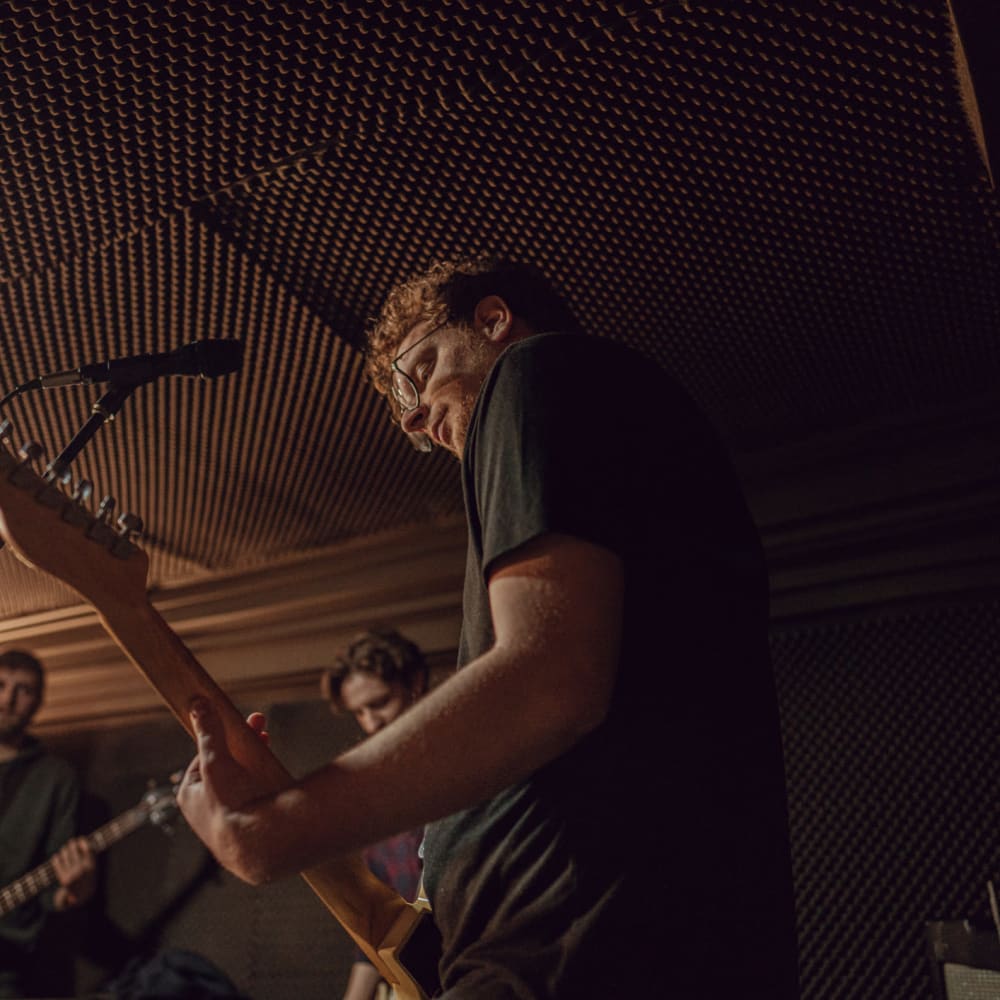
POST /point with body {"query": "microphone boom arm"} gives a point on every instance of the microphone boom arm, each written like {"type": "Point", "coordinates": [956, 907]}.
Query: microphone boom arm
{"type": "Point", "coordinates": [105, 409]}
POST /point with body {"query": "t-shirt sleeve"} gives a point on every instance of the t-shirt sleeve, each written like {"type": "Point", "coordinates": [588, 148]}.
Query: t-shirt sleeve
{"type": "Point", "coordinates": [545, 460]}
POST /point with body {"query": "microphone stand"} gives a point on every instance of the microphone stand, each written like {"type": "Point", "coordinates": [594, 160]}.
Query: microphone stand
{"type": "Point", "coordinates": [105, 409]}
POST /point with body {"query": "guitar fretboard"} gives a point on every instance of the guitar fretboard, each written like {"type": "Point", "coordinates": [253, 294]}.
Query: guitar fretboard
{"type": "Point", "coordinates": [39, 879]}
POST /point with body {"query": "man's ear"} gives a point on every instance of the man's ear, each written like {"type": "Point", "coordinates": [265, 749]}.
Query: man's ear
{"type": "Point", "coordinates": [493, 318]}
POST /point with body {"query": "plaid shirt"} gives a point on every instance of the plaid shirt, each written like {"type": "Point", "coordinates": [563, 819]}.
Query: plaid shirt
{"type": "Point", "coordinates": [396, 861]}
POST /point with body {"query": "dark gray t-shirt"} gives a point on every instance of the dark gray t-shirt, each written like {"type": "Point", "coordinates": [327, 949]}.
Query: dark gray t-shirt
{"type": "Point", "coordinates": [654, 854]}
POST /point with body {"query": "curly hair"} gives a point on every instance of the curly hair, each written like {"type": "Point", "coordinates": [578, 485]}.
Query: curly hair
{"type": "Point", "coordinates": [448, 291]}
{"type": "Point", "coordinates": [385, 654]}
{"type": "Point", "coordinates": [18, 659]}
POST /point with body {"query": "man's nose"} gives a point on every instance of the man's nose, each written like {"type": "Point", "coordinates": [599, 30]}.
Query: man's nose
{"type": "Point", "coordinates": [371, 722]}
{"type": "Point", "coordinates": [413, 420]}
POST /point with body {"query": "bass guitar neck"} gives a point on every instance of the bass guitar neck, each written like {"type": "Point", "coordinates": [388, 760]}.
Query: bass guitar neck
{"type": "Point", "coordinates": [154, 807]}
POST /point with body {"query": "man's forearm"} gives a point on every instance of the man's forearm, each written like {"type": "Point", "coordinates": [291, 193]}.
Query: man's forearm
{"type": "Point", "coordinates": [523, 703]}
{"type": "Point", "coordinates": [362, 981]}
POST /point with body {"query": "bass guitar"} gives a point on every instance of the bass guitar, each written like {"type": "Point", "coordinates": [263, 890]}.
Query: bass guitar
{"type": "Point", "coordinates": [155, 807]}
{"type": "Point", "coordinates": [99, 559]}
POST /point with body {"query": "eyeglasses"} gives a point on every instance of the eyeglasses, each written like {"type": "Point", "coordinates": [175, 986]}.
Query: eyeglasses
{"type": "Point", "coordinates": [404, 389]}
{"type": "Point", "coordinates": [407, 395]}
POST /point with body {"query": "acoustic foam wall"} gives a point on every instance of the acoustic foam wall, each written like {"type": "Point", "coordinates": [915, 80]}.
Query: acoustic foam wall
{"type": "Point", "coordinates": [890, 732]}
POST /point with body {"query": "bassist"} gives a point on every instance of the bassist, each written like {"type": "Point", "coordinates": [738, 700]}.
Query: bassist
{"type": "Point", "coordinates": [39, 797]}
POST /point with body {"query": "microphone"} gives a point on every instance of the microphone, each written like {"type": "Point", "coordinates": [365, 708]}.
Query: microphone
{"type": "Point", "coordinates": [203, 358]}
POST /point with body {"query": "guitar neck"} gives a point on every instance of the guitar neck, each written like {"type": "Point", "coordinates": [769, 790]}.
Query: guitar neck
{"type": "Point", "coordinates": [31, 884]}
{"type": "Point", "coordinates": [58, 535]}
{"type": "Point", "coordinates": [369, 910]}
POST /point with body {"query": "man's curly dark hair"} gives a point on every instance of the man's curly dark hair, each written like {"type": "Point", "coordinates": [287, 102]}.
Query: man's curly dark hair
{"type": "Point", "coordinates": [385, 654]}
{"type": "Point", "coordinates": [448, 291]}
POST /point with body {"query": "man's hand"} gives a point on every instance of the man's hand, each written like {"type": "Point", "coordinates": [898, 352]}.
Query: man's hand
{"type": "Point", "coordinates": [546, 684]}
{"type": "Point", "coordinates": [76, 871]}
{"type": "Point", "coordinates": [215, 785]}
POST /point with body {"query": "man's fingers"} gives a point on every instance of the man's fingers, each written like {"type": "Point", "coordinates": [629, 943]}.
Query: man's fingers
{"type": "Point", "coordinates": [257, 721]}
{"type": "Point", "coordinates": [203, 723]}
{"type": "Point", "coordinates": [192, 775]}
{"type": "Point", "coordinates": [73, 860]}
{"type": "Point", "coordinates": [84, 852]}
{"type": "Point", "coordinates": [206, 727]}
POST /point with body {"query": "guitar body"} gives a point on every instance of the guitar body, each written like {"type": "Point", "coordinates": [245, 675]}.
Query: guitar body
{"type": "Point", "coordinates": [56, 534]}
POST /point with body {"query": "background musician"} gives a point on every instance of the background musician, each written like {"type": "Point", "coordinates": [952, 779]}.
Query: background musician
{"type": "Point", "coordinates": [39, 801]}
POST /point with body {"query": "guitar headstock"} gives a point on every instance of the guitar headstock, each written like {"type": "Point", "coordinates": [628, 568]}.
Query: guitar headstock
{"type": "Point", "coordinates": [160, 802]}
{"type": "Point", "coordinates": [55, 531]}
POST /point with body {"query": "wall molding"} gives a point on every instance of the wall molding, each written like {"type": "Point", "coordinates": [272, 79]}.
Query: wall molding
{"type": "Point", "coordinates": [264, 634]}
{"type": "Point", "coordinates": [903, 511]}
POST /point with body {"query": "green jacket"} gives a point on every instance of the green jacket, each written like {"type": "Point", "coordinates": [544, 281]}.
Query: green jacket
{"type": "Point", "coordinates": [39, 802]}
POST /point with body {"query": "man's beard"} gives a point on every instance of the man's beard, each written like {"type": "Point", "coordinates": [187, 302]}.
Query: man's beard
{"type": "Point", "coordinates": [460, 425]}
{"type": "Point", "coordinates": [484, 355]}
{"type": "Point", "coordinates": [12, 730]}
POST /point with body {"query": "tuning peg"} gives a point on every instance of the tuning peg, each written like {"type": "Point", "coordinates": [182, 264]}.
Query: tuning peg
{"type": "Point", "coordinates": [76, 511]}
{"type": "Point", "coordinates": [31, 451]}
{"type": "Point", "coordinates": [101, 528]}
{"type": "Point", "coordinates": [58, 472]}
{"type": "Point", "coordinates": [129, 525]}
{"type": "Point", "coordinates": [50, 495]}
{"type": "Point", "coordinates": [106, 509]}
{"type": "Point", "coordinates": [7, 460]}
{"type": "Point", "coordinates": [53, 480]}
{"type": "Point", "coordinates": [22, 474]}
{"type": "Point", "coordinates": [165, 821]}
{"type": "Point", "coordinates": [83, 491]}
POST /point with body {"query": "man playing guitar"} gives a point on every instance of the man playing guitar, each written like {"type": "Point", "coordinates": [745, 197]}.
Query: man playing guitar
{"type": "Point", "coordinates": [40, 795]}
{"type": "Point", "coordinates": [603, 776]}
